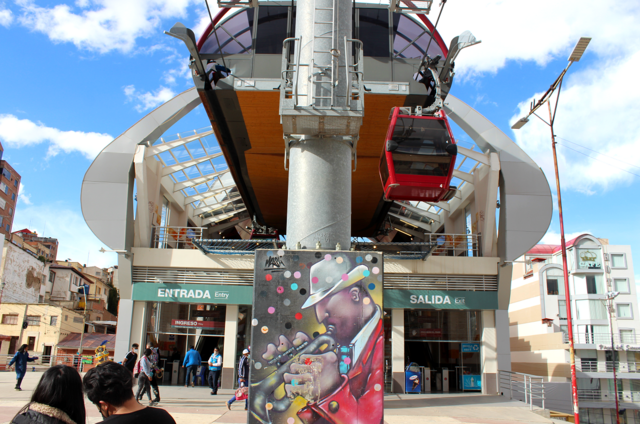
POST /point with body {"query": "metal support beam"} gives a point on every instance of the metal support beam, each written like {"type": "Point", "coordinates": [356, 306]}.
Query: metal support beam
{"type": "Point", "coordinates": [218, 218]}
{"type": "Point", "coordinates": [204, 209]}
{"type": "Point", "coordinates": [206, 195]}
{"type": "Point", "coordinates": [170, 169]}
{"type": "Point", "coordinates": [477, 156]}
{"type": "Point", "coordinates": [197, 181]}
{"type": "Point", "coordinates": [163, 147]}
{"type": "Point", "coordinates": [463, 176]}
{"type": "Point", "coordinates": [421, 212]}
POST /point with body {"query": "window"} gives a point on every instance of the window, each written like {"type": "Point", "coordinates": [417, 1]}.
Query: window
{"type": "Point", "coordinates": [618, 260]}
{"type": "Point", "coordinates": [10, 211]}
{"type": "Point", "coordinates": [562, 309]}
{"type": "Point", "coordinates": [410, 40]}
{"type": "Point", "coordinates": [15, 183]}
{"type": "Point", "coordinates": [31, 344]}
{"type": "Point", "coordinates": [272, 29]}
{"type": "Point", "coordinates": [77, 319]}
{"type": "Point", "coordinates": [13, 196]}
{"type": "Point", "coordinates": [374, 27]}
{"type": "Point", "coordinates": [555, 281]}
{"type": "Point", "coordinates": [8, 228]}
{"type": "Point", "coordinates": [593, 334]}
{"type": "Point", "coordinates": [621, 285]}
{"type": "Point", "coordinates": [10, 319]}
{"type": "Point", "coordinates": [52, 276]}
{"type": "Point", "coordinates": [66, 317]}
{"type": "Point", "coordinates": [6, 174]}
{"type": "Point", "coordinates": [54, 320]}
{"type": "Point", "coordinates": [627, 336]}
{"type": "Point", "coordinates": [594, 284]}
{"type": "Point", "coordinates": [624, 311]}
{"type": "Point", "coordinates": [98, 291]}
{"type": "Point", "coordinates": [591, 309]}
{"type": "Point", "coordinates": [234, 35]}
{"type": "Point", "coordinates": [33, 319]}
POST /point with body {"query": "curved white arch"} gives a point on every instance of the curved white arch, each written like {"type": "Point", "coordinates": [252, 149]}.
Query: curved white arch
{"type": "Point", "coordinates": [525, 198]}
{"type": "Point", "coordinates": [106, 194]}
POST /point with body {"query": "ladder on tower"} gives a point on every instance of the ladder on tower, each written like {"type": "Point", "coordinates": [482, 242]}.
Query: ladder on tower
{"type": "Point", "coordinates": [323, 75]}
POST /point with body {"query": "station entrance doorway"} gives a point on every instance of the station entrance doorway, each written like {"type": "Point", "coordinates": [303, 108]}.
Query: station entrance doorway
{"type": "Point", "coordinates": [444, 347]}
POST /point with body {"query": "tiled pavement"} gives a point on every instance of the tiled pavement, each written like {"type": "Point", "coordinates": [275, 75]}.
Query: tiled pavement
{"type": "Point", "coordinates": [197, 406]}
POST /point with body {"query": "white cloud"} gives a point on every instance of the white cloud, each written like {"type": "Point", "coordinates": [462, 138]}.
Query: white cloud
{"type": "Point", "coordinates": [75, 238]}
{"type": "Point", "coordinates": [539, 32]}
{"type": "Point", "coordinates": [101, 25]}
{"type": "Point", "coordinates": [6, 16]}
{"type": "Point", "coordinates": [598, 110]}
{"type": "Point", "coordinates": [554, 238]}
{"type": "Point", "coordinates": [148, 100]}
{"type": "Point", "coordinates": [23, 196]}
{"type": "Point", "coordinates": [23, 132]}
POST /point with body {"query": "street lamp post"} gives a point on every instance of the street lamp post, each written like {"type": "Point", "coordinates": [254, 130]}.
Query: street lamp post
{"type": "Point", "coordinates": [609, 298]}
{"type": "Point", "coordinates": [576, 54]}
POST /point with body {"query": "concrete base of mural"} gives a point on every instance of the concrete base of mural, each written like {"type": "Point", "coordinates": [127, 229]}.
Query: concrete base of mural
{"type": "Point", "coordinates": [317, 341]}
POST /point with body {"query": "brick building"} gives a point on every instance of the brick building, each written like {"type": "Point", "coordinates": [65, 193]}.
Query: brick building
{"type": "Point", "coordinates": [9, 187]}
{"type": "Point", "coordinates": [47, 246]}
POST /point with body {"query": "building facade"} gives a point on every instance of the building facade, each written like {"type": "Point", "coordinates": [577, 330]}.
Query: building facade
{"type": "Point", "coordinates": [538, 323]}
{"type": "Point", "coordinates": [45, 326]}
{"type": "Point", "coordinates": [23, 275]}
{"type": "Point", "coordinates": [9, 189]}
{"type": "Point", "coordinates": [47, 245]}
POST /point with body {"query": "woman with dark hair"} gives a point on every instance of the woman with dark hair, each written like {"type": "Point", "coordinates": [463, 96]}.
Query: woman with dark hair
{"type": "Point", "coordinates": [20, 359]}
{"type": "Point", "coordinates": [57, 399]}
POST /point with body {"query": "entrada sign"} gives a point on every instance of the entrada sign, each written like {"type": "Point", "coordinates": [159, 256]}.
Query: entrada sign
{"type": "Point", "coordinates": [192, 293]}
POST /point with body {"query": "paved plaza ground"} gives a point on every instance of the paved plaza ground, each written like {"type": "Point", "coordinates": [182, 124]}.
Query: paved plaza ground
{"type": "Point", "coordinates": [197, 406]}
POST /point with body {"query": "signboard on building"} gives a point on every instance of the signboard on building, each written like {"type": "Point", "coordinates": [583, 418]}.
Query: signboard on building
{"type": "Point", "coordinates": [469, 347]}
{"type": "Point", "coordinates": [192, 293]}
{"type": "Point", "coordinates": [188, 323]}
{"type": "Point", "coordinates": [440, 299]}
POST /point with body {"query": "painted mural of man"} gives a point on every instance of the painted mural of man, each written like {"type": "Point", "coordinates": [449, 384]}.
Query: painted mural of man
{"type": "Point", "coordinates": [349, 387]}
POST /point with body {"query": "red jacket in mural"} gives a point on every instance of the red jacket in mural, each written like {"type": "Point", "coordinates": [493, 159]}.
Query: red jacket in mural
{"type": "Point", "coordinates": [359, 399]}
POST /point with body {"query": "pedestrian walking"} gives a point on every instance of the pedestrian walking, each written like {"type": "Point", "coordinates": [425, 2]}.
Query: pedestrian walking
{"type": "Point", "coordinates": [57, 399]}
{"type": "Point", "coordinates": [20, 360]}
{"type": "Point", "coordinates": [215, 367]}
{"type": "Point", "coordinates": [154, 359]}
{"type": "Point", "coordinates": [243, 381]}
{"type": "Point", "coordinates": [192, 361]}
{"type": "Point", "coordinates": [145, 377]}
{"type": "Point", "coordinates": [130, 360]}
{"type": "Point", "coordinates": [108, 386]}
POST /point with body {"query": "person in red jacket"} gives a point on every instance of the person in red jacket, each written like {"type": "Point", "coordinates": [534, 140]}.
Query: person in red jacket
{"type": "Point", "coordinates": [349, 389]}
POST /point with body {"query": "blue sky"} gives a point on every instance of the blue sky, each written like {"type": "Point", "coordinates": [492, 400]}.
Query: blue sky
{"type": "Point", "coordinates": [77, 74]}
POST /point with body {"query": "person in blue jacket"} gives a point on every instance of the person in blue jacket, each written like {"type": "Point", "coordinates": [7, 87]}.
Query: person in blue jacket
{"type": "Point", "coordinates": [20, 359]}
{"type": "Point", "coordinates": [192, 361]}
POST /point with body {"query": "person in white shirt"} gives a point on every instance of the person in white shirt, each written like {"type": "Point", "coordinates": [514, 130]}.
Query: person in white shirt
{"type": "Point", "coordinates": [215, 368]}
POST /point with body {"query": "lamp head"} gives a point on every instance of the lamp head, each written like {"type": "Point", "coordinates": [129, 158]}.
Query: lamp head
{"type": "Point", "coordinates": [579, 49]}
{"type": "Point", "coordinates": [520, 123]}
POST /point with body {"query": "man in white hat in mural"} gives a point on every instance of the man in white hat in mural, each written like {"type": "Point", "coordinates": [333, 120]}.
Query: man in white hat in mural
{"type": "Point", "coordinates": [349, 387]}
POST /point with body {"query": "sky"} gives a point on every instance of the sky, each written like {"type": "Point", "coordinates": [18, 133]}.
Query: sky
{"type": "Point", "coordinates": [77, 74]}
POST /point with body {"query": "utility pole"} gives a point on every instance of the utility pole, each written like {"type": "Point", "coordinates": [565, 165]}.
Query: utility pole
{"type": "Point", "coordinates": [609, 300]}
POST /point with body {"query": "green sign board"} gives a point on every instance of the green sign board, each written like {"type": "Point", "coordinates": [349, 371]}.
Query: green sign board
{"type": "Point", "coordinates": [193, 293]}
{"type": "Point", "coordinates": [440, 299]}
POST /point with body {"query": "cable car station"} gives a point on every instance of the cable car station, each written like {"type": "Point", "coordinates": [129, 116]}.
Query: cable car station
{"type": "Point", "coordinates": [328, 136]}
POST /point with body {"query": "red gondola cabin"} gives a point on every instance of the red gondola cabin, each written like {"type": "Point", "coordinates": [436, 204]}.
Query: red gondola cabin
{"type": "Point", "coordinates": [418, 158]}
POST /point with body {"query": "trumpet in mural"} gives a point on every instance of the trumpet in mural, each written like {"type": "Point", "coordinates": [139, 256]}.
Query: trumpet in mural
{"type": "Point", "coordinates": [335, 376]}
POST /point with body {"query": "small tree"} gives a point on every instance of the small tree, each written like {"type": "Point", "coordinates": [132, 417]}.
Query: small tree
{"type": "Point", "coordinates": [112, 300]}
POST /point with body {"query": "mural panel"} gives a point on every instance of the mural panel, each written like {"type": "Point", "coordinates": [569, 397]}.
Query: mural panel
{"type": "Point", "coordinates": [317, 341]}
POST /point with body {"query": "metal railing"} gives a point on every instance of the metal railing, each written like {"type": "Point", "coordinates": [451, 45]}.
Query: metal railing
{"type": "Point", "coordinates": [46, 361]}
{"type": "Point", "coordinates": [455, 244]}
{"type": "Point", "coordinates": [175, 237]}
{"type": "Point", "coordinates": [597, 395]}
{"type": "Point", "coordinates": [434, 244]}
{"type": "Point", "coordinates": [589, 365]}
{"type": "Point", "coordinates": [604, 339]}
{"type": "Point", "coordinates": [236, 247]}
{"type": "Point", "coordinates": [523, 387]}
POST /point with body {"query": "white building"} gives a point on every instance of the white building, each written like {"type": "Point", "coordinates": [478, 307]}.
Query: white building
{"type": "Point", "coordinates": [539, 332]}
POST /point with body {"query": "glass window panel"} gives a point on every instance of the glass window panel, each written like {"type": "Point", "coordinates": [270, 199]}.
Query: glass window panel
{"type": "Point", "coordinates": [167, 158]}
{"type": "Point", "coordinates": [179, 176]}
{"type": "Point", "coordinates": [192, 172]}
{"type": "Point", "coordinates": [427, 324]}
{"type": "Point", "coordinates": [617, 261]}
{"type": "Point", "coordinates": [626, 336]}
{"type": "Point", "coordinates": [181, 154]}
{"type": "Point", "coordinates": [621, 285]}
{"type": "Point", "coordinates": [552, 286]}
{"type": "Point", "coordinates": [588, 383]}
{"type": "Point", "coordinates": [624, 310]}
{"type": "Point", "coordinates": [206, 168]}
{"type": "Point", "coordinates": [374, 32]}
{"type": "Point", "coordinates": [196, 150]}
{"type": "Point", "coordinates": [234, 35]}
{"type": "Point", "coordinates": [410, 39]}
{"type": "Point", "coordinates": [211, 145]}
{"type": "Point", "coordinates": [562, 309]}
{"type": "Point", "coordinates": [202, 188]}
{"type": "Point", "coordinates": [272, 29]}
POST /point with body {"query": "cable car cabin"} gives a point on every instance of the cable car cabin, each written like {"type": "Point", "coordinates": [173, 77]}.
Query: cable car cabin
{"type": "Point", "coordinates": [418, 158]}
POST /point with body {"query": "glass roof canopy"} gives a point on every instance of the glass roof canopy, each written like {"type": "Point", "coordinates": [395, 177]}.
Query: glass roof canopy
{"type": "Point", "coordinates": [194, 162]}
